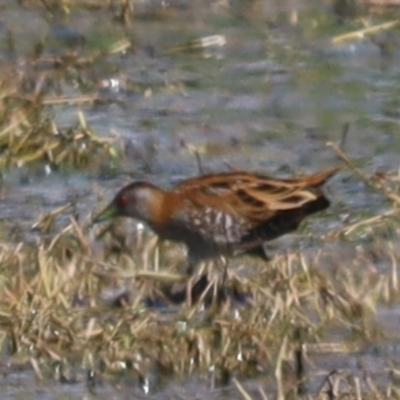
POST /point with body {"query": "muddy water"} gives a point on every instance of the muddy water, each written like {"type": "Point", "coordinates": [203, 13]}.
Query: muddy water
{"type": "Point", "coordinates": [269, 99]}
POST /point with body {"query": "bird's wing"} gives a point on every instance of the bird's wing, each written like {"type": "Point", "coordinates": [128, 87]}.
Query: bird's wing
{"type": "Point", "coordinates": [253, 197]}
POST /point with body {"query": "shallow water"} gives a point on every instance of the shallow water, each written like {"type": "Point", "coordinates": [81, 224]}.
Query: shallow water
{"type": "Point", "coordinates": [268, 100]}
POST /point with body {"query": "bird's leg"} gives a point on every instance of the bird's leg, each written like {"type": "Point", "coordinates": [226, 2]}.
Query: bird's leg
{"type": "Point", "coordinates": [190, 288]}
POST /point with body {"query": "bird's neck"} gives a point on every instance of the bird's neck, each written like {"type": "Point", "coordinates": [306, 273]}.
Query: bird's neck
{"type": "Point", "coordinates": [164, 206]}
{"type": "Point", "coordinates": [149, 205]}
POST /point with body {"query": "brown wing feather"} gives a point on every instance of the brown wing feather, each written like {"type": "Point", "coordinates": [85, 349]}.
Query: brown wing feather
{"type": "Point", "coordinates": [253, 196]}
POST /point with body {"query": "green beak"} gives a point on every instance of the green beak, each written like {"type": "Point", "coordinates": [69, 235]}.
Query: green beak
{"type": "Point", "coordinates": [111, 211]}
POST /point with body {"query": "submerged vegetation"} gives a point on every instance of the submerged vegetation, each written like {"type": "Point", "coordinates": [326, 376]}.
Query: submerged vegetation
{"type": "Point", "coordinates": [84, 304]}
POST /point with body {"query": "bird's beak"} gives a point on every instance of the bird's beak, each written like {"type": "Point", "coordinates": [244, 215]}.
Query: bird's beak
{"type": "Point", "coordinates": [109, 212]}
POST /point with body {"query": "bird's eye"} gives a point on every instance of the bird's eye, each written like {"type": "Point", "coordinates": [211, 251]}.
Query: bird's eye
{"type": "Point", "coordinates": [122, 201]}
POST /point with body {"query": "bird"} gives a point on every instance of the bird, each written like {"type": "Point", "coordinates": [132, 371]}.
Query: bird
{"type": "Point", "coordinates": [222, 214]}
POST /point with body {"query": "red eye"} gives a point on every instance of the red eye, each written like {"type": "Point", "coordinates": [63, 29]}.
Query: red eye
{"type": "Point", "coordinates": [122, 201]}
